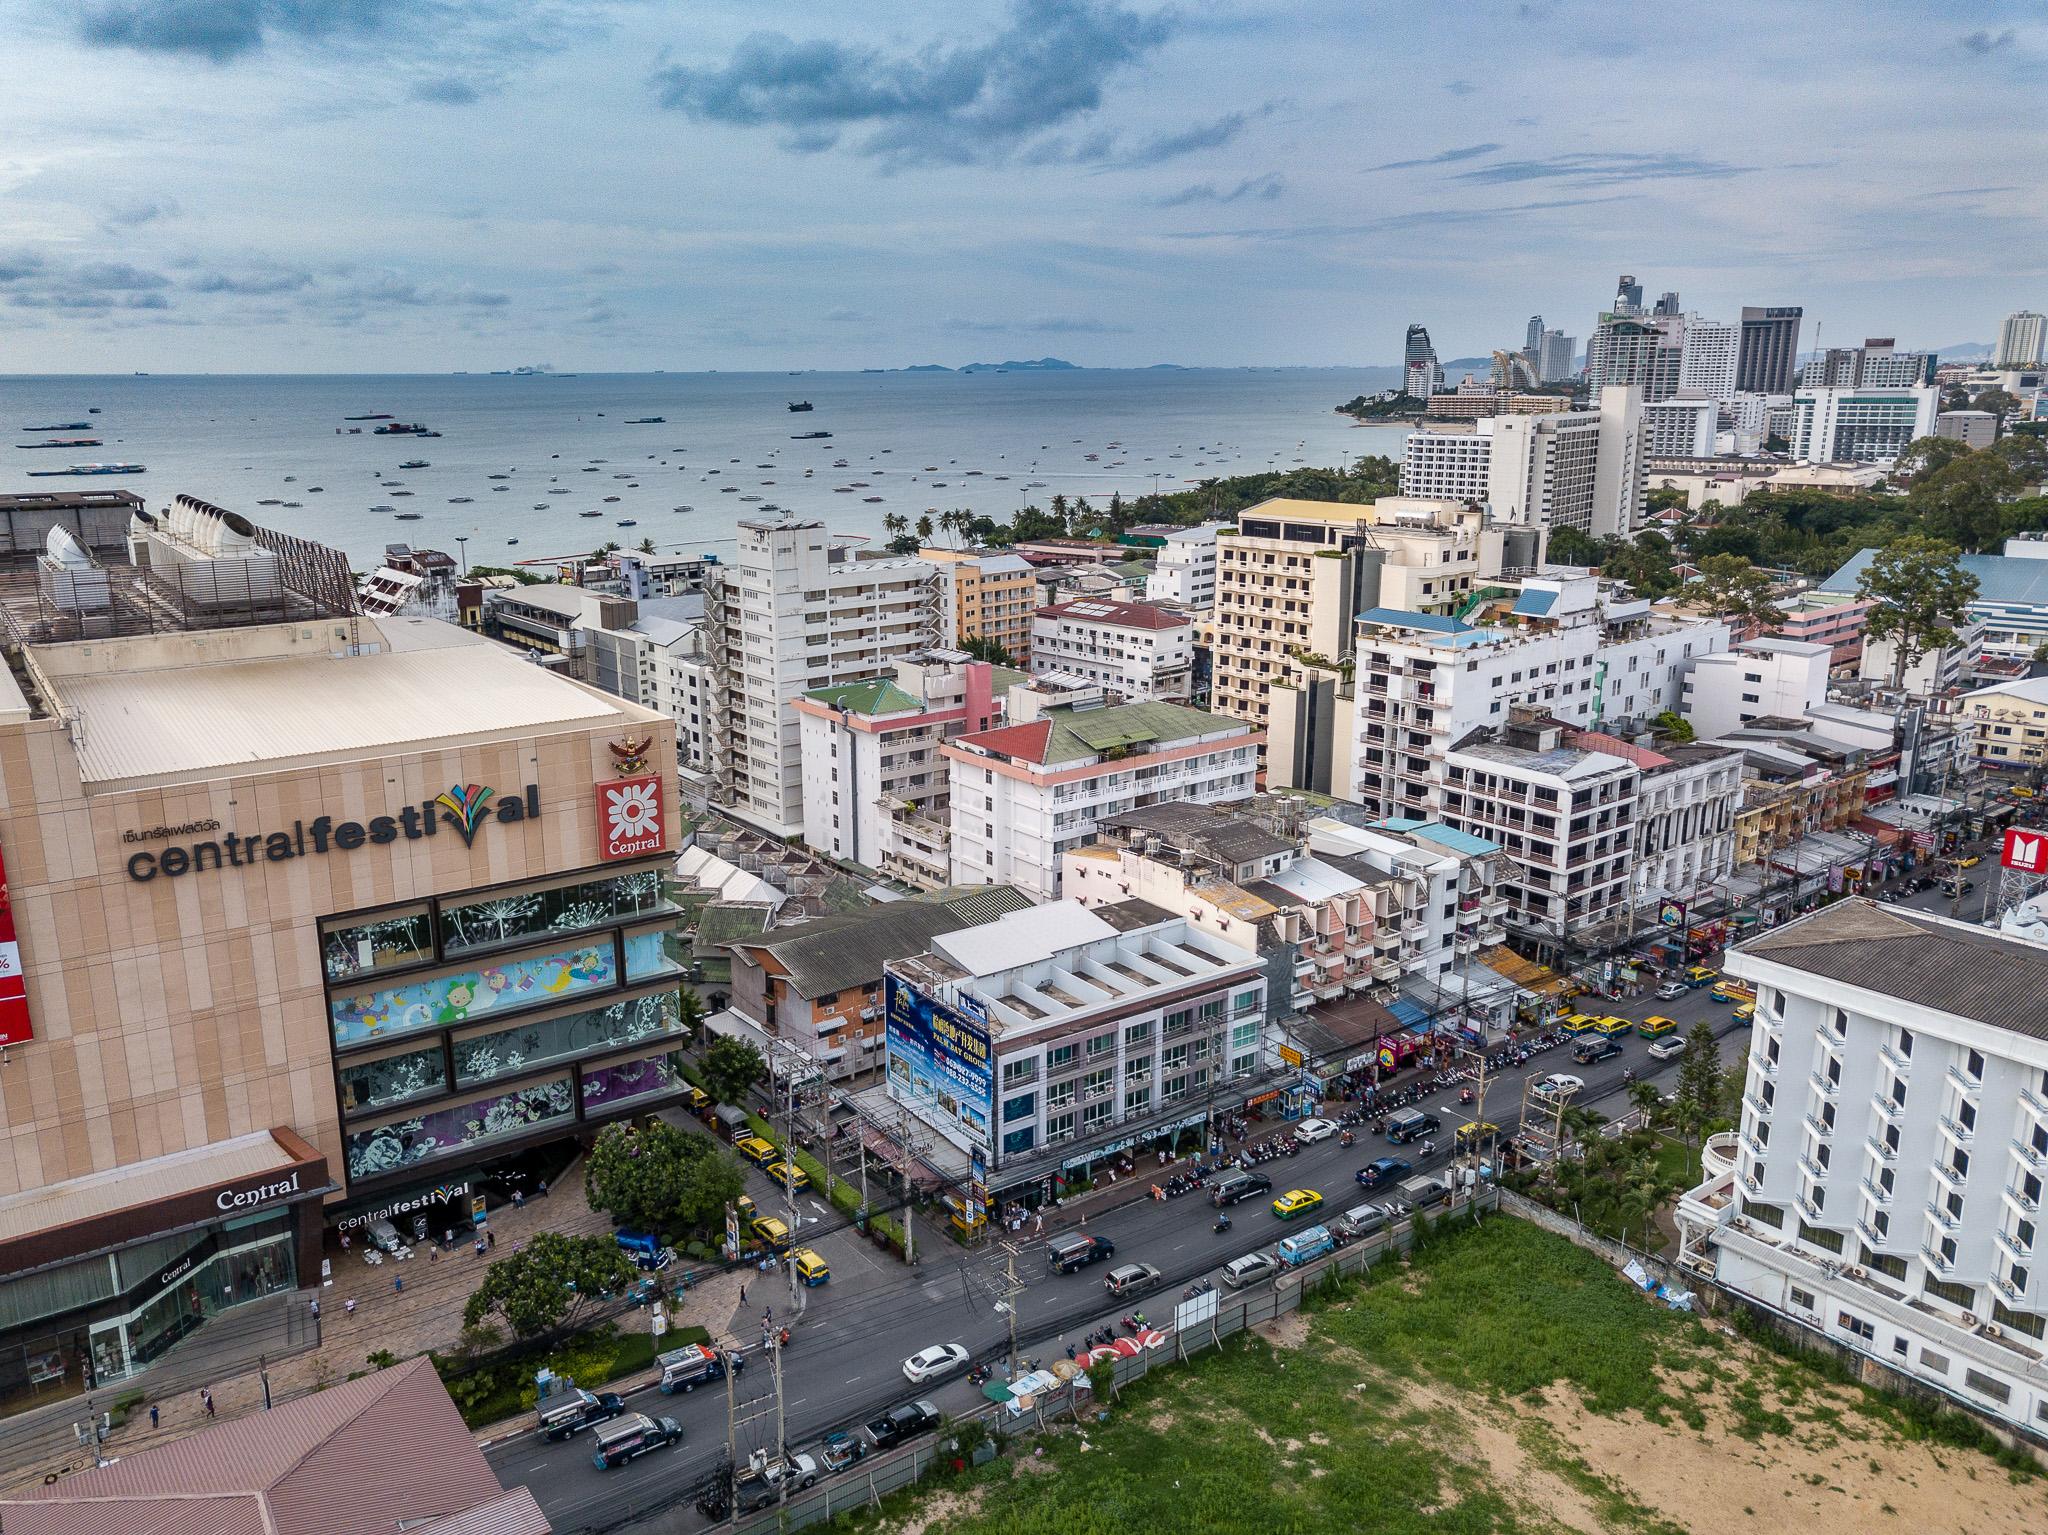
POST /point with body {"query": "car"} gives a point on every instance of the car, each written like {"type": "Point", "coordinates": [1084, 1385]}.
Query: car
{"type": "Point", "coordinates": [901, 1423]}
{"type": "Point", "coordinates": [632, 1435]}
{"type": "Point", "coordinates": [1969, 861]}
{"type": "Point", "coordinates": [1950, 887]}
{"type": "Point", "coordinates": [745, 1205]}
{"type": "Point", "coordinates": [786, 1175]}
{"type": "Point", "coordinates": [1309, 1131]}
{"type": "Point", "coordinates": [1608, 1026]}
{"type": "Point", "coordinates": [1559, 1084]}
{"type": "Point", "coordinates": [602, 1407]}
{"type": "Point", "coordinates": [1593, 1051]}
{"type": "Point", "coordinates": [1576, 1023]}
{"type": "Point", "coordinates": [1671, 990]}
{"type": "Point", "coordinates": [930, 1363]}
{"type": "Point", "coordinates": [1700, 975]}
{"type": "Point", "coordinates": [840, 1449]}
{"type": "Point", "coordinates": [1731, 991]}
{"type": "Point", "coordinates": [1249, 1270]}
{"type": "Point", "coordinates": [1746, 1014]}
{"type": "Point", "coordinates": [1296, 1202]}
{"type": "Point", "coordinates": [1666, 1048]}
{"type": "Point", "coordinates": [1656, 1026]}
{"type": "Point", "coordinates": [1412, 1125]}
{"type": "Point", "coordinates": [810, 1268]}
{"type": "Point", "coordinates": [1384, 1170]}
{"type": "Point", "coordinates": [766, 1478]}
{"type": "Point", "coordinates": [1131, 1279]}
{"type": "Point", "coordinates": [772, 1231]}
{"type": "Point", "coordinates": [1475, 1131]}
{"type": "Point", "coordinates": [1235, 1188]}
{"type": "Point", "coordinates": [1077, 1250]}
{"type": "Point", "coordinates": [756, 1150]}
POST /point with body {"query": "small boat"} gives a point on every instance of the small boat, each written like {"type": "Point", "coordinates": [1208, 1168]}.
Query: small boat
{"type": "Point", "coordinates": [374, 416]}
{"type": "Point", "coordinates": [401, 493]}
{"type": "Point", "coordinates": [290, 479]}
{"type": "Point", "coordinates": [92, 410]}
{"type": "Point", "coordinates": [842, 490]}
{"type": "Point", "coordinates": [871, 498]}
{"type": "Point", "coordinates": [293, 505]}
{"type": "Point", "coordinates": [646, 421]}
{"type": "Point", "coordinates": [682, 508]}
{"type": "Point", "coordinates": [62, 426]}
{"type": "Point", "coordinates": [628, 522]}
{"type": "Point", "coordinates": [559, 490]}
{"type": "Point", "coordinates": [270, 501]}
{"type": "Point", "coordinates": [497, 476]}
{"type": "Point", "coordinates": [63, 442]}
{"type": "Point", "coordinates": [808, 436]}
{"type": "Point", "coordinates": [590, 514]}
{"type": "Point", "coordinates": [838, 463]}
{"type": "Point", "coordinates": [46, 474]}
{"type": "Point", "coordinates": [383, 508]}
{"type": "Point", "coordinates": [400, 429]}
{"type": "Point", "coordinates": [460, 500]}
{"type": "Point", "coordinates": [415, 463]}
{"type": "Point", "coordinates": [511, 541]}
{"type": "Point", "coordinates": [610, 499]}
{"type": "Point", "coordinates": [795, 405]}
{"type": "Point", "coordinates": [540, 506]}
{"type": "Point", "coordinates": [409, 516]}
{"type": "Point", "coordinates": [501, 487]}
{"type": "Point", "coordinates": [729, 490]}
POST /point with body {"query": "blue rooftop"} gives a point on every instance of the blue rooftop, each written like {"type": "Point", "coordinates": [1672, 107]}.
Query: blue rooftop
{"type": "Point", "coordinates": [1442, 835]}
{"type": "Point", "coordinates": [2001, 578]}
{"type": "Point", "coordinates": [1397, 618]}
{"type": "Point", "coordinates": [1534, 604]}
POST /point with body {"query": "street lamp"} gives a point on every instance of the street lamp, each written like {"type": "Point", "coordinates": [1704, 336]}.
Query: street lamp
{"type": "Point", "coordinates": [462, 545]}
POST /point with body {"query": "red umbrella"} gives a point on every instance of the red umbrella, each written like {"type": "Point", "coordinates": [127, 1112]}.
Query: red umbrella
{"type": "Point", "coordinates": [1127, 1347]}
{"type": "Point", "coordinates": [1106, 1351]}
{"type": "Point", "coordinates": [1151, 1337]}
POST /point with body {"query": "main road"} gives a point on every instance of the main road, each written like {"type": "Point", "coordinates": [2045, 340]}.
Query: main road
{"type": "Point", "coordinates": [844, 1363]}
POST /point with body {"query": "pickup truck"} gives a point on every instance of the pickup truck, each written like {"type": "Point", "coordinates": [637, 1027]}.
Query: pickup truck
{"type": "Point", "coordinates": [762, 1482]}
{"type": "Point", "coordinates": [901, 1423]}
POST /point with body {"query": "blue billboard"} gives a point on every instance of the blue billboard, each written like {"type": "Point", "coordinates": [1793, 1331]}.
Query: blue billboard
{"type": "Point", "coordinates": [939, 1055]}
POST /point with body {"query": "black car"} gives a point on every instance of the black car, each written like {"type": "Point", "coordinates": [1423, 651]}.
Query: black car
{"type": "Point", "coordinates": [1593, 1051]}
{"type": "Point", "coordinates": [606, 1406]}
{"type": "Point", "coordinates": [1076, 1250]}
{"type": "Point", "coordinates": [1233, 1188]}
{"type": "Point", "coordinates": [901, 1423]}
{"type": "Point", "coordinates": [1385, 1170]}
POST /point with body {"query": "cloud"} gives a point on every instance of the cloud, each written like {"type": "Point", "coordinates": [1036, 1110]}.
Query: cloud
{"type": "Point", "coordinates": [1171, 146]}
{"type": "Point", "coordinates": [251, 283]}
{"type": "Point", "coordinates": [225, 30]}
{"type": "Point", "coordinates": [1982, 43]}
{"type": "Point", "coordinates": [115, 276]}
{"type": "Point", "coordinates": [1610, 169]}
{"type": "Point", "coordinates": [136, 214]}
{"type": "Point", "coordinates": [446, 91]}
{"type": "Point", "coordinates": [15, 265]}
{"type": "Point", "coordinates": [1262, 188]}
{"type": "Point", "coordinates": [1422, 218]}
{"type": "Point", "coordinates": [946, 104]}
{"type": "Point", "coordinates": [393, 292]}
{"type": "Point", "coordinates": [1446, 157]}
{"type": "Point", "coordinates": [1043, 325]}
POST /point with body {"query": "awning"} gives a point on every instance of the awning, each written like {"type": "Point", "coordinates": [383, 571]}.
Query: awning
{"type": "Point", "coordinates": [1408, 1012]}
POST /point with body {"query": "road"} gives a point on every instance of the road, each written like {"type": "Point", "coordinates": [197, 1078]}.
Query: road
{"type": "Point", "coordinates": [844, 1364]}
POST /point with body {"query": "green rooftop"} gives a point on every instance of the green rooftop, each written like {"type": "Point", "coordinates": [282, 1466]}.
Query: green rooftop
{"type": "Point", "coordinates": [877, 695]}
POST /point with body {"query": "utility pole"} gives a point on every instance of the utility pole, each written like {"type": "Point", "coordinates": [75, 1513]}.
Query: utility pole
{"type": "Point", "coordinates": [781, 1418]}
{"type": "Point", "coordinates": [789, 1192]}
{"type": "Point", "coordinates": [1012, 1288]}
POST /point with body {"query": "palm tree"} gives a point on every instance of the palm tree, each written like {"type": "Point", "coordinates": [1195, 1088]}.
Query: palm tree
{"type": "Point", "coordinates": [896, 524]}
{"type": "Point", "coordinates": [647, 546]}
{"type": "Point", "coordinates": [924, 529]}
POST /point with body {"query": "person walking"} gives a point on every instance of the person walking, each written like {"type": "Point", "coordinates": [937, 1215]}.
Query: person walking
{"type": "Point", "coordinates": [207, 1397]}
{"type": "Point", "coordinates": [152, 1417]}
{"type": "Point", "coordinates": [743, 1295]}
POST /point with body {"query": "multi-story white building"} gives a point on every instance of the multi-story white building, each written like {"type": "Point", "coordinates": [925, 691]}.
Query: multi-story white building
{"type": "Point", "coordinates": [1024, 794]}
{"type": "Point", "coordinates": [1645, 654]}
{"type": "Point", "coordinates": [1575, 469]}
{"type": "Point", "coordinates": [1131, 650]}
{"type": "Point", "coordinates": [1860, 425]}
{"type": "Point", "coordinates": [1708, 356]}
{"type": "Point", "coordinates": [1554, 359]}
{"type": "Point", "coordinates": [1972, 428]}
{"type": "Point", "coordinates": [1564, 816]}
{"type": "Point", "coordinates": [1122, 1022]}
{"type": "Point", "coordinates": [798, 609]}
{"type": "Point", "coordinates": [1768, 676]}
{"type": "Point", "coordinates": [2022, 341]}
{"type": "Point", "coordinates": [1448, 897]}
{"type": "Point", "coordinates": [1185, 572]}
{"type": "Point", "coordinates": [1885, 1186]}
{"type": "Point", "coordinates": [1683, 426]}
{"type": "Point", "coordinates": [875, 790]}
{"type": "Point", "coordinates": [1686, 802]}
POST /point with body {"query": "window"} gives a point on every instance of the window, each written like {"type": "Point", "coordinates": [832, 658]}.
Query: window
{"type": "Point", "coordinates": [1906, 1043]}
{"type": "Point", "coordinates": [1961, 1296]}
{"type": "Point", "coordinates": [1015, 1071]}
{"type": "Point", "coordinates": [1929, 1360]}
{"type": "Point", "coordinates": [1101, 1044]}
{"type": "Point", "coordinates": [1856, 1325]}
{"type": "Point", "coordinates": [1973, 1068]}
{"type": "Point", "coordinates": [1059, 1128]}
{"type": "Point", "coordinates": [1023, 1106]}
{"type": "Point", "coordinates": [1984, 1385]}
{"type": "Point", "coordinates": [1137, 1034]}
{"type": "Point", "coordinates": [1137, 1100]}
{"type": "Point", "coordinates": [1831, 1240]}
{"type": "Point", "coordinates": [1245, 1001]}
{"type": "Point", "coordinates": [1802, 1298]}
{"type": "Point", "coordinates": [1060, 1055]}
{"type": "Point", "coordinates": [1948, 1251]}
{"type": "Point", "coordinates": [1959, 1164]}
{"type": "Point", "coordinates": [1095, 1083]}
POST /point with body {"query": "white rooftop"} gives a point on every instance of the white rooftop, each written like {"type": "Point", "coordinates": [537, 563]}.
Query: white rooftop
{"type": "Point", "coordinates": [1022, 937]}
{"type": "Point", "coordinates": [1310, 879]}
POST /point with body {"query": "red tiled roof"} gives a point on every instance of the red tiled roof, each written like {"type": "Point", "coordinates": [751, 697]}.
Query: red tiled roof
{"type": "Point", "coordinates": [1027, 743]}
{"type": "Point", "coordinates": [1614, 746]}
{"type": "Point", "coordinates": [1121, 615]}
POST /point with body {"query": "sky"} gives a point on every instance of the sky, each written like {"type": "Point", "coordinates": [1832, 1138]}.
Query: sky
{"type": "Point", "coordinates": [424, 185]}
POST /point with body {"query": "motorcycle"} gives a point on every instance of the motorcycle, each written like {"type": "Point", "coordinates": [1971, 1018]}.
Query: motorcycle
{"type": "Point", "coordinates": [1134, 1323]}
{"type": "Point", "coordinates": [979, 1375]}
{"type": "Point", "coordinates": [1222, 1223]}
{"type": "Point", "coordinates": [1346, 1139]}
{"type": "Point", "coordinates": [1465, 1095]}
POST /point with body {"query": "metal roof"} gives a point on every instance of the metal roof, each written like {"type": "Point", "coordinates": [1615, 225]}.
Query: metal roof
{"type": "Point", "coordinates": [724, 922]}
{"type": "Point", "coordinates": [1211, 829]}
{"type": "Point", "coordinates": [828, 955]}
{"type": "Point", "coordinates": [1069, 735]}
{"type": "Point", "coordinates": [2001, 578]}
{"type": "Point", "coordinates": [141, 1183]}
{"type": "Point", "coordinates": [1947, 967]}
{"type": "Point", "coordinates": [876, 695]}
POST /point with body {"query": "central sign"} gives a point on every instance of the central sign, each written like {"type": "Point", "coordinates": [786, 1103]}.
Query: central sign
{"type": "Point", "coordinates": [2025, 852]}
{"type": "Point", "coordinates": [629, 817]}
{"type": "Point", "coordinates": [16, 1027]}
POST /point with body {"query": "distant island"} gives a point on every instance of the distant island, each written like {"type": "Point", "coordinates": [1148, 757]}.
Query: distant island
{"type": "Point", "coordinates": [1039, 365]}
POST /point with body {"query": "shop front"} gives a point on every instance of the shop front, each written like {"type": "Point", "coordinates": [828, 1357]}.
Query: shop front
{"type": "Point", "coordinates": [97, 1286]}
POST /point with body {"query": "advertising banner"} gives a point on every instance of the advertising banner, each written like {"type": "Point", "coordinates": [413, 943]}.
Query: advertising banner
{"type": "Point", "coordinates": [629, 816]}
{"type": "Point", "coordinates": [939, 1053]}
{"type": "Point", "coordinates": [977, 1187]}
{"type": "Point", "coordinates": [2024, 851]}
{"type": "Point", "coordinates": [15, 1027]}
{"type": "Point", "coordinates": [1671, 913]}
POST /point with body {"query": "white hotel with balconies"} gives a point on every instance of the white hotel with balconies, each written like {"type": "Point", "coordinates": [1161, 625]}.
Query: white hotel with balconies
{"type": "Point", "coordinates": [1884, 1188]}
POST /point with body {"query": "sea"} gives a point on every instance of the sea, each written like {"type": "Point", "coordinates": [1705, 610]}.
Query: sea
{"type": "Point", "coordinates": [533, 467]}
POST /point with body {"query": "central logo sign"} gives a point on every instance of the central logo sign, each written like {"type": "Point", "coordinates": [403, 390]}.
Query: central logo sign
{"type": "Point", "coordinates": [629, 816]}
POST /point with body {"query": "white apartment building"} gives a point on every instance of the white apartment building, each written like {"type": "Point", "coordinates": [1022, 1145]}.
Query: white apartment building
{"type": "Point", "coordinates": [1576, 469]}
{"type": "Point", "coordinates": [2022, 341]}
{"type": "Point", "coordinates": [1935, 672]}
{"type": "Point", "coordinates": [1860, 425]}
{"type": "Point", "coordinates": [798, 609]}
{"type": "Point", "coordinates": [1885, 1186]}
{"type": "Point", "coordinates": [1683, 426]}
{"type": "Point", "coordinates": [1645, 654]}
{"type": "Point", "coordinates": [1130, 650]}
{"type": "Point", "coordinates": [1972, 428]}
{"type": "Point", "coordinates": [875, 790]}
{"type": "Point", "coordinates": [1759, 677]}
{"type": "Point", "coordinates": [1122, 1022]}
{"type": "Point", "coordinates": [1564, 816]}
{"type": "Point", "coordinates": [1708, 356]}
{"type": "Point", "coordinates": [1185, 572]}
{"type": "Point", "coordinates": [1022, 795]}
{"type": "Point", "coordinates": [1448, 898]}
{"type": "Point", "coordinates": [1686, 801]}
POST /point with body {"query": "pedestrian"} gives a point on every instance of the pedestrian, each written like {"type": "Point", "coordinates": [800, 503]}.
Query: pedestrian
{"type": "Point", "coordinates": [398, 1284]}
{"type": "Point", "coordinates": [448, 1237]}
{"type": "Point", "coordinates": [518, 1200]}
{"type": "Point", "coordinates": [152, 1416]}
{"type": "Point", "coordinates": [543, 1188]}
{"type": "Point", "coordinates": [1038, 1223]}
{"type": "Point", "coordinates": [316, 1308]}
{"type": "Point", "coordinates": [491, 1236]}
{"type": "Point", "coordinates": [480, 1247]}
{"type": "Point", "coordinates": [433, 1255]}
{"type": "Point", "coordinates": [743, 1295]}
{"type": "Point", "coordinates": [344, 1241]}
{"type": "Point", "coordinates": [207, 1397]}
{"type": "Point", "coordinates": [349, 1306]}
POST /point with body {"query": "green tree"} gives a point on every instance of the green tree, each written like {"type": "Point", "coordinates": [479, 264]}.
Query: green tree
{"type": "Point", "coordinates": [1925, 455]}
{"type": "Point", "coordinates": [1961, 501]}
{"type": "Point", "coordinates": [649, 1176]}
{"type": "Point", "coordinates": [731, 1066]}
{"type": "Point", "coordinates": [1997, 401]}
{"type": "Point", "coordinates": [1731, 586]}
{"type": "Point", "coordinates": [689, 1011]}
{"type": "Point", "coordinates": [647, 546]}
{"type": "Point", "coordinates": [985, 649]}
{"type": "Point", "coordinates": [1644, 565]}
{"type": "Point", "coordinates": [1920, 587]}
{"type": "Point", "coordinates": [1697, 1101]}
{"type": "Point", "coordinates": [1673, 725]}
{"type": "Point", "coordinates": [895, 524]}
{"type": "Point", "coordinates": [924, 529]}
{"type": "Point", "coordinates": [1568, 546]}
{"type": "Point", "coordinates": [1647, 1101]}
{"type": "Point", "coordinates": [547, 1282]}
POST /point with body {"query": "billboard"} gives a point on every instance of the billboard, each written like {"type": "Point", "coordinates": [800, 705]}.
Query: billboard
{"type": "Point", "coordinates": [939, 1054]}
{"type": "Point", "coordinates": [629, 816]}
{"type": "Point", "coordinates": [2025, 852]}
{"type": "Point", "coordinates": [15, 1028]}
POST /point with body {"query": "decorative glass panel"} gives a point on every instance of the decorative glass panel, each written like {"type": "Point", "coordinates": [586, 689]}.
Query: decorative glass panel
{"type": "Point", "coordinates": [524, 1047]}
{"type": "Point", "coordinates": [504, 919]}
{"type": "Point", "coordinates": [459, 1128]}
{"type": "Point", "coordinates": [384, 943]}
{"type": "Point", "coordinates": [622, 1081]}
{"type": "Point", "coordinates": [647, 955]}
{"type": "Point", "coordinates": [392, 1079]}
{"type": "Point", "coordinates": [462, 995]}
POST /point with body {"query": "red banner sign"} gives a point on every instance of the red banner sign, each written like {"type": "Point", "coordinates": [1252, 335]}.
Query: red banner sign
{"type": "Point", "coordinates": [629, 816]}
{"type": "Point", "coordinates": [2025, 851]}
{"type": "Point", "coordinates": [15, 1027]}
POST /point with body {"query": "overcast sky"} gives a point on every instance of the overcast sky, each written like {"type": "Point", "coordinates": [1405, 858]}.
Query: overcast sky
{"type": "Point", "coordinates": [313, 185]}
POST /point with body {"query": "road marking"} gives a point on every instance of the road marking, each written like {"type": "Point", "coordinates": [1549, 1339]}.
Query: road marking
{"type": "Point", "coordinates": [541, 1467]}
{"type": "Point", "coordinates": [852, 1378]}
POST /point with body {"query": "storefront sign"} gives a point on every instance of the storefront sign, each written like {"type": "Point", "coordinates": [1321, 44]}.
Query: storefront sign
{"type": "Point", "coordinates": [230, 1200]}
{"type": "Point", "coordinates": [461, 807]}
{"type": "Point", "coordinates": [977, 1187]}
{"type": "Point", "coordinates": [629, 817]}
{"type": "Point", "coordinates": [1290, 1055]}
{"type": "Point", "coordinates": [16, 1027]}
{"type": "Point", "coordinates": [445, 1194]}
{"type": "Point", "coordinates": [1671, 914]}
{"type": "Point", "coordinates": [1125, 1143]}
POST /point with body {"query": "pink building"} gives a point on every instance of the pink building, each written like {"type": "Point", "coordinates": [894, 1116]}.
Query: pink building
{"type": "Point", "coordinates": [1819, 619]}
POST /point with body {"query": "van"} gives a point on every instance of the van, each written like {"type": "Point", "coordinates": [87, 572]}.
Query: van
{"type": "Point", "coordinates": [1422, 1193]}
{"type": "Point", "coordinates": [1249, 1269]}
{"type": "Point", "coordinates": [771, 1231]}
{"type": "Point", "coordinates": [685, 1369]}
{"type": "Point", "coordinates": [1305, 1247]}
{"type": "Point", "coordinates": [560, 1413]}
{"type": "Point", "coordinates": [756, 1150]}
{"type": "Point", "coordinates": [635, 1434]}
{"type": "Point", "coordinates": [1235, 1187]}
{"type": "Point", "coordinates": [1129, 1279]}
{"type": "Point", "coordinates": [1412, 1125]}
{"type": "Point", "coordinates": [810, 1268]}
{"type": "Point", "coordinates": [1064, 1255]}
{"type": "Point", "coordinates": [1361, 1221]}
{"type": "Point", "coordinates": [383, 1236]}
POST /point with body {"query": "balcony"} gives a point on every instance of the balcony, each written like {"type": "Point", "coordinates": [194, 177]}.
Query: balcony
{"type": "Point", "coordinates": [1871, 1235]}
{"type": "Point", "coordinates": [2026, 1153]}
{"type": "Point", "coordinates": [1939, 1213]}
{"type": "Point", "coordinates": [1935, 1260]}
{"type": "Point", "coordinates": [1825, 1086]}
{"type": "Point", "coordinates": [1900, 1064]}
{"type": "Point", "coordinates": [2014, 1295]}
{"type": "Point", "coordinates": [2020, 1201]}
{"type": "Point", "coordinates": [1957, 1131]}
{"type": "Point", "coordinates": [1876, 1191]}
{"type": "Point", "coordinates": [2011, 1244]}
{"type": "Point", "coordinates": [1964, 1080]}
{"type": "Point", "coordinates": [1885, 1107]}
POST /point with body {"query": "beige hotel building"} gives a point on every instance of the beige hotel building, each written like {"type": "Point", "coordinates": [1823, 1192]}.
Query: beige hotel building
{"type": "Point", "coordinates": [316, 918]}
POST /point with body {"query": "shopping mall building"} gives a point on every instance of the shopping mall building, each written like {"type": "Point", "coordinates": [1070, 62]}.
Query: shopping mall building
{"type": "Point", "coordinates": [319, 917]}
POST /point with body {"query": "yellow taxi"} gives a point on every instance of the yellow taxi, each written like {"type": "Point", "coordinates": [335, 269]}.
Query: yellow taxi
{"type": "Point", "coordinates": [1475, 1131]}
{"type": "Point", "coordinates": [696, 1100]}
{"type": "Point", "coordinates": [1969, 860]}
{"type": "Point", "coordinates": [810, 1268]}
{"type": "Point", "coordinates": [771, 1231]}
{"type": "Point", "coordinates": [1610, 1025]}
{"type": "Point", "coordinates": [1746, 1013]}
{"type": "Point", "coordinates": [1296, 1202]}
{"type": "Point", "coordinates": [756, 1150]}
{"type": "Point", "coordinates": [745, 1205]}
{"type": "Point", "coordinates": [1576, 1023]}
{"type": "Point", "coordinates": [1656, 1026]}
{"type": "Point", "coordinates": [1732, 991]}
{"type": "Point", "coordinates": [786, 1174]}
{"type": "Point", "coordinates": [1698, 975]}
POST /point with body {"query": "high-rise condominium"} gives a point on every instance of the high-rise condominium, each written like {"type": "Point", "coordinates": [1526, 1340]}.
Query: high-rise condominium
{"type": "Point", "coordinates": [1419, 371]}
{"type": "Point", "coordinates": [1770, 348]}
{"type": "Point", "coordinates": [1535, 338]}
{"type": "Point", "coordinates": [2022, 340]}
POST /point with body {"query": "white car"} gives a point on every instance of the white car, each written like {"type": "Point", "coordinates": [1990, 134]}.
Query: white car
{"type": "Point", "coordinates": [931, 1363]}
{"type": "Point", "coordinates": [1664, 1049]}
{"type": "Point", "coordinates": [1309, 1131]}
{"type": "Point", "coordinates": [1560, 1084]}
